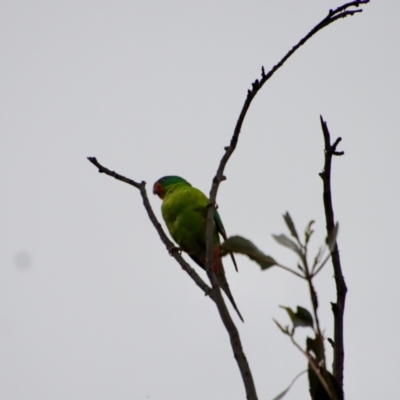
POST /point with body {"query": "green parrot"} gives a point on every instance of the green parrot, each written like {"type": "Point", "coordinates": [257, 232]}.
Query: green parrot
{"type": "Point", "coordinates": [184, 209]}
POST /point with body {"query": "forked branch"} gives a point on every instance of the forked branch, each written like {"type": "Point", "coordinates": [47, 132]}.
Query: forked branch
{"type": "Point", "coordinates": [333, 15]}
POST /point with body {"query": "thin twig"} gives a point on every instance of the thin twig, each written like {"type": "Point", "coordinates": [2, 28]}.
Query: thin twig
{"type": "Point", "coordinates": [341, 288]}
{"type": "Point", "coordinates": [314, 301]}
{"type": "Point", "coordinates": [290, 270]}
{"type": "Point", "coordinates": [164, 238]}
{"type": "Point", "coordinates": [313, 295]}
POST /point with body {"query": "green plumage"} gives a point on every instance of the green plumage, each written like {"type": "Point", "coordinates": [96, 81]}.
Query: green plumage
{"type": "Point", "coordinates": [184, 209]}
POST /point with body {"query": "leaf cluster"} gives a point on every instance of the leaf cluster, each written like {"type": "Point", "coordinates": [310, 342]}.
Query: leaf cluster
{"type": "Point", "coordinates": [240, 245]}
{"type": "Point", "coordinates": [322, 384]}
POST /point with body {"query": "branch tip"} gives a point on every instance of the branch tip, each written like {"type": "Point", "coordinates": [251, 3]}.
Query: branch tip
{"type": "Point", "coordinates": [164, 238]}
{"type": "Point", "coordinates": [337, 141]}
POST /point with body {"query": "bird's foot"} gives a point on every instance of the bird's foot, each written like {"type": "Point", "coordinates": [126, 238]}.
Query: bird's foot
{"type": "Point", "coordinates": [215, 205]}
{"type": "Point", "coordinates": [174, 249]}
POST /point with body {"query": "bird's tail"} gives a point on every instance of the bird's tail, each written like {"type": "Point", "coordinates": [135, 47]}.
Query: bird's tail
{"type": "Point", "coordinates": [223, 283]}
{"type": "Point", "coordinates": [225, 287]}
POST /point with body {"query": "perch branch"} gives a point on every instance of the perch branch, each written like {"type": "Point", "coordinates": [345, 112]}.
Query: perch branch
{"type": "Point", "coordinates": [164, 238]}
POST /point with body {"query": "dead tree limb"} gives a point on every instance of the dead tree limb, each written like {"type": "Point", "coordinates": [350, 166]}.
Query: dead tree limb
{"type": "Point", "coordinates": [341, 288]}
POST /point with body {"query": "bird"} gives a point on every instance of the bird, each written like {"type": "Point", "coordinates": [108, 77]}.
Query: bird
{"type": "Point", "coordinates": [184, 210]}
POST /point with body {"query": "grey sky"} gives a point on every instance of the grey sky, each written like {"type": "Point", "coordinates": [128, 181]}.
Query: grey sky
{"type": "Point", "coordinates": [91, 305]}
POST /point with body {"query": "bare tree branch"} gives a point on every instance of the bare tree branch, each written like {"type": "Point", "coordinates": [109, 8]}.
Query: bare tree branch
{"type": "Point", "coordinates": [164, 238]}
{"type": "Point", "coordinates": [333, 15]}
{"type": "Point", "coordinates": [341, 288]}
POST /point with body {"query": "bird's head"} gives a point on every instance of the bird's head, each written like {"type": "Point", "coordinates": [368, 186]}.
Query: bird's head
{"type": "Point", "coordinates": [164, 184]}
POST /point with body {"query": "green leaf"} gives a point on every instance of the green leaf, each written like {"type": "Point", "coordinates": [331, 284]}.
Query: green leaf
{"type": "Point", "coordinates": [285, 241]}
{"type": "Point", "coordinates": [304, 317]}
{"type": "Point", "coordinates": [308, 231]}
{"type": "Point", "coordinates": [240, 245]}
{"type": "Point", "coordinates": [318, 256]}
{"type": "Point", "coordinates": [290, 225]}
{"type": "Point", "coordinates": [301, 317]}
{"type": "Point", "coordinates": [331, 239]}
{"type": "Point", "coordinates": [282, 394]}
{"type": "Point", "coordinates": [309, 226]}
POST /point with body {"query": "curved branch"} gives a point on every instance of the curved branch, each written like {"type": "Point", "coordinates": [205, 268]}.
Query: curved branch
{"type": "Point", "coordinates": [333, 15]}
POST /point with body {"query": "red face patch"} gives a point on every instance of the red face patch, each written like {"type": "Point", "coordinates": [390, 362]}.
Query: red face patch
{"type": "Point", "coordinates": [157, 189]}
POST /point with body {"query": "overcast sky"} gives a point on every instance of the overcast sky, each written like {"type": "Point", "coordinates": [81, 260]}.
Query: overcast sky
{"type": "Point", "coordinates": [92, 307]}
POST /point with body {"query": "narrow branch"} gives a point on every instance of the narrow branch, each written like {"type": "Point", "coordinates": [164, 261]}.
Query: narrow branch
{"type": "Point", "coordinates": [341, 288]}
{"type": "Point", "coordinates": [164, 238]}
{"type": "Point", "coordinates": [314, 302]}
